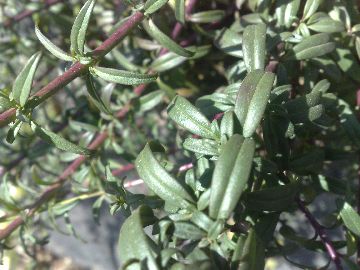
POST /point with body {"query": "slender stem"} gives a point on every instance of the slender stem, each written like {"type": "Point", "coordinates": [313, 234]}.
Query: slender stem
{"type": "Point", "coordinates": [322, 234]}
{"type": "Point", "coordinates": [78, 69]}
{"type": "Point", "coordinates": [27, 13]}
{"type": "Point", "coordinates": [52, 190]}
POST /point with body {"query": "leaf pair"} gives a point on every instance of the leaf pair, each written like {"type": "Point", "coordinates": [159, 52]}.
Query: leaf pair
{"type": "Point", "coordinates": [77, 37]}
{"type": "Point", "coordinates": [230, 176]}
{"type": "Point", "coordinates": [23, 82]}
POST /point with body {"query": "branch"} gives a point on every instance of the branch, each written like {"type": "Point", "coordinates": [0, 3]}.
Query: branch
{"type": "Point", "coordinates": [78, 69]}
{"type": "Point", "coordinates": [27, 13]}
{"type": "Point", "coordinates": [322, 234]}
{"type": "Point", "coordinates": [49, 192]}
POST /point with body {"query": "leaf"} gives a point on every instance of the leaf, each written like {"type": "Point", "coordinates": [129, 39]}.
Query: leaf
{"type": "Point", "coordinates": [230, 42]}
{"type": "Point", "coordinates": [207, 16]}
{"type": "Point", "coordinates": [13, 131]}
{"type": "Point", "coordinates": [252, 99]}
{"type": "Point", "coordinates": [23, 82]}
{"type": "Point", "coordinates": [310, 47]}
{"type": "Point", "coordinates": [159, 181]}
{"type": "Point", "coordinates": [123, 76]}
{"type": "Point", "coordinates": [51, 47]}
{"type": "Point", "coordinates": [58, 141]}
{"type": "Point", "coordinates": [152, 6]}
{"type": "Point", "coordinates": [351, 218]}
{"type": "Point", "coordinates": [134, 244]}
{"type": "Point", "coordinates": [185, 230]}
{"type": "Point", "coordinates": [252, 253]}
{"type": "Point", "coordinates": [189, 117]}
{"type": "Point", "coordinates": [254, 47]}
{"type": "Point", "coordinates": [278, 198]}
{"type": "Point", "coordinates": [149, 101]}
{"type": "Point", "coordinates": [78, 30]}
{"type": "Point", "coordinates": [99, 103]}
{"type": "Point", "coordinates": [180, 11]}
{"type": "Point", "coordinates": [202, 146]}
{"type": "Point", "coordinates": [310, 8]}
{"type": "Point", "coordinates": [164, 40]}
{"type": "Point", "coordinates": [326, 25]}
{"type": "Point", "coordinates": [230, 176]}
{"type": "Point", "coordinates": [290, 12]}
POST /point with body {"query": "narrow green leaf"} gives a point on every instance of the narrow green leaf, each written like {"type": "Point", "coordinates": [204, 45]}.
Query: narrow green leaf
{"type": "Point", "coordinates": [51, 47]}
{"type": "Point", "coordinates": [278, 198]}
{"type": "Point", "coordinates": [149, 101]}
{"type": "Point", "coordinates": [326, 25]}
{"type": "Point", "coordinates": [164, 40]}
{"type": "Point", "coordinates": [152, 6]}
{"type": "Point", "coordinates": [23, 82]}
{"type": "Point", "coordinates": [252, 254]}
{"type": "Point", "coordinates": [254, 47]}
{"type": "Point", "coordinates": [123, 76]}
{"type": "Point", "coordinates": [313, 46]}
{"type": "Point", "coordinates": [99, 103]}
{"type": "Point", "coordinates": [310, 8]}
{"type": "Point", "coordinates": [230, 42]}
{"type": "Point", "coordinates": [230, 176]}
{"type": "Point", "coordinates": [134, 244]}
{"type": "Point", "coordinates": [189, 117]}
{"type": "Point", "coordinates": [252, 99]}
{"type": "Point", "coordinates": [58, 141]}
{"type": "Point", "coordinates": [180, 11]}
{"type": "Point", "coordinates": [159, 181]}
{"type": "Point", "coordinates": [13, 131]}
{"type": "Point", "coordinates": [202, 146]}
{"type": "Point", "coordinates": [351, 218]}
{"type": "Point", "coordinates": [185, 230]}
{"type": "Point", "coordinates": [78, 30]}
{"type": "Point", "coordinates": [207, 16]}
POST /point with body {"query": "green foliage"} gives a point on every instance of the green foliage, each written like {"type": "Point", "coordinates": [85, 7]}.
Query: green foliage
{"type": "Point", "coordinates": [237, 116]}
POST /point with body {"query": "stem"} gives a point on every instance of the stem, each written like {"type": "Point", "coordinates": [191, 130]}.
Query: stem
{"type": "Point", "coordinates": [52, 190]}
{"type": "Point", "coordinates": [27, 13]}
{"type": "Point", "coordinates": [322, 234]}
{"type": "Point", "coordinates": [78, 69]}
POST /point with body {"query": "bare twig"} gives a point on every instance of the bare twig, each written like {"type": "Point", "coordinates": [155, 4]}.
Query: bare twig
{"type": "Point", "coordinates": [27, 13]}
{"type": "Point", "coordinates": [78, 69]}
{"type": "Point", "coordinates": [319, 229]}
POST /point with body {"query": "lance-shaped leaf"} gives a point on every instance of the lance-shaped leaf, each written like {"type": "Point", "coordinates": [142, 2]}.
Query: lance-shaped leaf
{"type": "Point", "coordinates": [202, 146]}
{"type": "Point", "coordinates": [310, 8]}
{"type": "Point", "coordinates": [207, 16]}
{"type": "Point", "coordinates": [230, 176]}
{"type": "Point", "coordinates": [134, 244]}
{"type": "Point", "coordinates": [58, 141]}
{"type": "Point", "coordinates": [326, 25]}
{"type": "Point", "coordinates": [159, 180]}
{"type": "Point", "coordinates": [313, 46]}
{"type": "Point", "coordinates": [189, 117]}
{"type": "Point", "coordinates": [351, 218]}
{"type": "Point", "coordinates": [123, 76]}
{"type": "Point", "coordinates": [180, 10]}
{"type": "Point", "coordinates": [185, 230]}
{"type": "Point", "coordinates": [22, 85]}
{"type": "Point", "coordinates": [51, 47]}
{"type": "Point", "coordinates": [272, 199]}
{"type": "Point", "coordinates": [164, 40]}
{"type": "Point", "coordinates": [252, 98]}
{"type": "Point", "coordinates": [78, 30]}
{"type": "Point", "coordinates": [153, 5]}
{"type": "Point", "coordinates": [96, 99]}
{"type": "Point", "coordinates": [252, 253]}
{"type": "Point", "coordinates": [254, 46]}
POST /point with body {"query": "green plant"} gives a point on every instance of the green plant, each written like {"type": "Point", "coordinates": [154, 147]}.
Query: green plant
{"type": "Point", "coordinates": [261, 119]}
